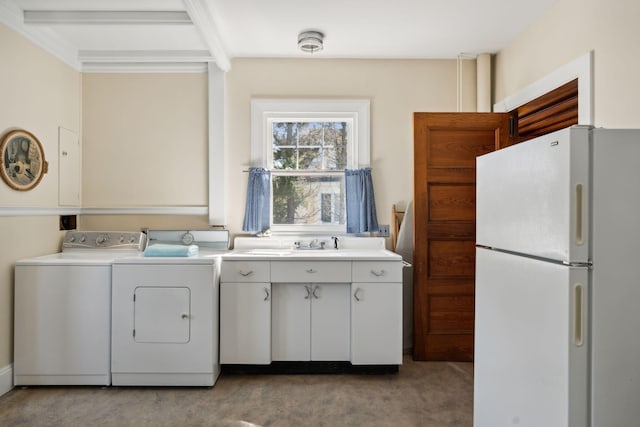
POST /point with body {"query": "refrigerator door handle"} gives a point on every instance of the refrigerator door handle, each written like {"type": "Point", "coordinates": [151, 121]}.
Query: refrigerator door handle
{"type": "Point", "coordinates": [578, 321]}
{"type": "Point", "coordinates": [579, 222]}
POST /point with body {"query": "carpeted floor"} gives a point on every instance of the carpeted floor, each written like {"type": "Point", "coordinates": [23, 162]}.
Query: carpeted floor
{"type": "Point", "coordinates": [438, 394]}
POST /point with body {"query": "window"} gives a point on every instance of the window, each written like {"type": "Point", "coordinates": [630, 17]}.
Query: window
{"type": "Point", "coordinates": [307, 145]}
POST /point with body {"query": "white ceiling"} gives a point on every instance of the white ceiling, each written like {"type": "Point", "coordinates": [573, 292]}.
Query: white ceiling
{"type": "Point", "coordinates": [197, 31]}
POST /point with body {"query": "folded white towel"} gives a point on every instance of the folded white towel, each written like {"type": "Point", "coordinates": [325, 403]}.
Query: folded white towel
{"type": "Point", "coordinates": [167, 250]}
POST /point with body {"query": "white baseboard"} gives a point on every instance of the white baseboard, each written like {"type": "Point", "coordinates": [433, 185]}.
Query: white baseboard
{"type": "Point", "coordinates": [6, 379]}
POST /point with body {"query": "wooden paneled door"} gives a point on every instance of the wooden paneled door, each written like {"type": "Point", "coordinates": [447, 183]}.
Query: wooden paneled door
{"type": "Point", "coordinates": [445, 149]}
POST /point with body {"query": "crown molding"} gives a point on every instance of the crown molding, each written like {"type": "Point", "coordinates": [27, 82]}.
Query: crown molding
{"type": "Point", "coordinates": [120, 17]}
{"type": "Point", "coordinates": [145, 61]}
{"type": "Point", "coordinates": [122, 56]}
{"type": "Point", "coordinates": [11, 15]}
{"type": "Point", "coordinates": [144, 67]}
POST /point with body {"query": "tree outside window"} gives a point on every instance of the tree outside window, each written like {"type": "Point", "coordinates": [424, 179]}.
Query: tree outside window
{"type": "Point", "coordinates": [308, 163]}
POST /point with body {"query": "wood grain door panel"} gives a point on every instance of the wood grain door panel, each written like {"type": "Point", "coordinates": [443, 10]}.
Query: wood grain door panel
{"type": "Point", "coordinates": [445, 149]}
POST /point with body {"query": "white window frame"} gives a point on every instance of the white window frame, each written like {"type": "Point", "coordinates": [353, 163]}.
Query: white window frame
{"type": "Point", "coordinates": [265, 111]}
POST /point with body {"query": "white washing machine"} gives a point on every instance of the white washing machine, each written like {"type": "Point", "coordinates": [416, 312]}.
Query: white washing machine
{"type": "Point", "coordinates": [62, 310]}
{"type": "Point", "coordinates": [165, 313]}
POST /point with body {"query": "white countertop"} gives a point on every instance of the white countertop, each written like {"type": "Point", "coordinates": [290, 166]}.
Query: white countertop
{"type": "Point", "coordinates": [271, 254]}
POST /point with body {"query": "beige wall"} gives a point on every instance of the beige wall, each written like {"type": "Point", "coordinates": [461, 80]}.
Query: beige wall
{"type": "Point", "coordinates": [145, 140]}
{"type": "Point", "coordinates": [396, 88]}
{"type": "Point", "coordinates": [39, 94]}
{"type": "Point", "coordinates": [571, 29]}
{"type": "Point", "coordinates": [145, 134]}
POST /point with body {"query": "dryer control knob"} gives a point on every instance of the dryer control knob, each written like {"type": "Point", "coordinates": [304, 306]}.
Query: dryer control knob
{"type": "Point", "coordinates": [187, 238]}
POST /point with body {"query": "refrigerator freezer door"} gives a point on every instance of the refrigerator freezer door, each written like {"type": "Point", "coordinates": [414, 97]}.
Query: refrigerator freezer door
{"type": "Point", "coordinates": [533, 197]}
{"type": "Point", "coordinates": [531, 342]}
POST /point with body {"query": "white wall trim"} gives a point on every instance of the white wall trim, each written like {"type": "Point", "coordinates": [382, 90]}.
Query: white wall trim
{"type": "Point", "coordinates": [6, 379]}
{"type": "Point", "coordinates": [11, 15]}
{"type": "Point", "coordinates": [147, 210]}
{"type": "Point", "coordinates": [144, 67]}
{"type": "Point", "coordinates": [138, 56]}
{"type": "Point", "coordinates": [580, 68]}
{"type": "Point", "coordinates": [217, 155]}
{"type": "Point", "coordinates": [107, 17]}
{"type": "Point", "coordinates": [138, 210]}
{"type": "Point", "coordinates": [358, 109]}
{"type": "Point", "coordinates": [38, 211]}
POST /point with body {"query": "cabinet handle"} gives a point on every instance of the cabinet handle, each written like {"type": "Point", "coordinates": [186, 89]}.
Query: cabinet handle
{"type": "Point", "coordinates": [245, 273]}
{"type": "Point", "coordinates": [314, 292]}
{"type": "Point", "coordinates": [355, 294]}
{"type": "Point", "coordinates": [377, 272]}
{"type": "Point", "coordinates": [266, 294]}
{"type": "Point", "coordinates": [184, 316]}
{"type": "Point", "coordinates": [311, 270]}
{"type": "Point", "coordinates": [308, 289]}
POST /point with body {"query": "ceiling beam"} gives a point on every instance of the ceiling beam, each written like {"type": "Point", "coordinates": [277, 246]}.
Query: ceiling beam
{"type": "Point", "coordinates": [52, 17]}
{"type": "Point", "coordinates": [203, 19]}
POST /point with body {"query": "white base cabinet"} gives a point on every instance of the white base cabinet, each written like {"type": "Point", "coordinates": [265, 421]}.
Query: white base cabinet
{"type": "Point", "coordinates": [376, 313]}
{"type": "Point", "coordinates": [245, 323]}
{"type": "Point", "coordinates": [376, 324]}
{"type": "Point", "coordinates": [245, 313]}
{"type": "Point", "coordinates": [320, 310]}
{"type": "Point", "coordinates": [309, 322]}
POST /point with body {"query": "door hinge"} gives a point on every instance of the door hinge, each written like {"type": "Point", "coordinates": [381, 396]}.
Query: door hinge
{"type": "Point", "coordinates": [134, 297]}
{"type": "Point", "coordinates": [134, 333]}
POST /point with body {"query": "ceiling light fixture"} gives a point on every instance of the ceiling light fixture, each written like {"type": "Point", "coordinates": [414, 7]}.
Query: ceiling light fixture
{"type": "Point", "coordinates": [310, 41]}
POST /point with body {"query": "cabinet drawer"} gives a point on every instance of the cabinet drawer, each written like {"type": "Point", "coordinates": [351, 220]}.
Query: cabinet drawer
{"type": "Point", "coordinates": [245, 271]}
{"type": "Point", "coordinates": [310, 272]}
{"type": "Point", "coordinates": [377, 271]}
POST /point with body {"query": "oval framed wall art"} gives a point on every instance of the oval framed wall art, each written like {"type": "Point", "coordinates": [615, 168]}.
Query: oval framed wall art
{"type": "Point", "coordinates": [23, 162]}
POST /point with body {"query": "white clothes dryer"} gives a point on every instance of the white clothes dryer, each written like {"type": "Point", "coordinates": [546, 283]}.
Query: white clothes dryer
{"type": "Point", "coordinates": [62, 309]}
{"type": "Point", "coordinates": [165, 313]}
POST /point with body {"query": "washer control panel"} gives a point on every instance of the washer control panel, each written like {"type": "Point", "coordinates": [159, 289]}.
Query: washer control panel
{"type": "Point", "coordinates": [104, 240]}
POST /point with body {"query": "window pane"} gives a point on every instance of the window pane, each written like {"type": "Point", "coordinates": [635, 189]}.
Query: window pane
{"type": "Point", "coordinates": [310, 133]}
{"type": "Point", "coordinates": [284, 158]}
{"type": "Point", "coordinates": [310, 145]}
{"type": "Point", "coordinates": [308, 200]}
{"type": "Point", "coordinates": [335, 137]}
{"type": "Point", "coordinates": [309, 158]}
{"type": "Point", "coordinates": [285, 133]}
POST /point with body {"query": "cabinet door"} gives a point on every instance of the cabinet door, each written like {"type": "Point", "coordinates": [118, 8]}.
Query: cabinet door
{"type": "Point", "coordinates": [291, 322]}
{"type": "Point", "coordinates": [330, 311]}
{"type": "Point", "coordinates": [245, 323]}
{"type": "Point", "coordinates": [161, 315]}
{"type": "Point", "coordinates": [376, 323]}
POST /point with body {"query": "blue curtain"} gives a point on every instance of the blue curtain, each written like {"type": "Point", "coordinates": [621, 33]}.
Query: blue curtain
{"type": "Point", "coordinates": [361, 203]}
{"type": "Point", "coordinates": [256, 214]}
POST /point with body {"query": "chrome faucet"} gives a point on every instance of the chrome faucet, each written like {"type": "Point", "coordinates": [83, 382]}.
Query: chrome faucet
{"type": "Point", "coordinates": [335, 242]}
{"type": "Point", "coordinates": [314, 244]}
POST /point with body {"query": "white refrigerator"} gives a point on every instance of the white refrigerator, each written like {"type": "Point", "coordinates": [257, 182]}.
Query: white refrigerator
{"type": "Point", "coordinates": [557, 326]}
